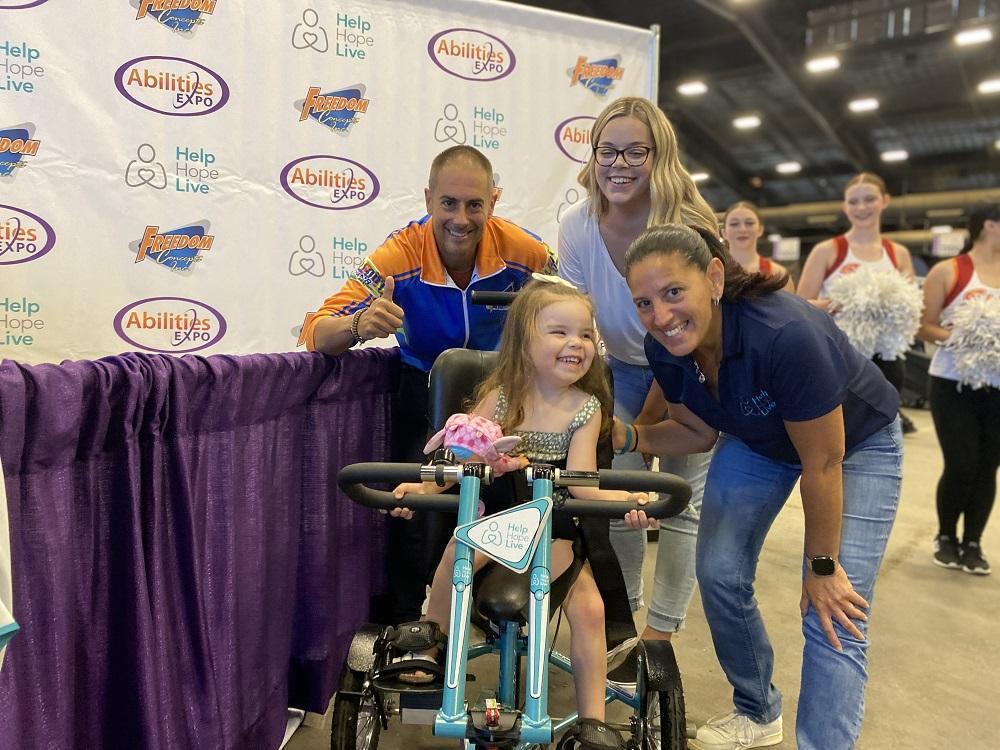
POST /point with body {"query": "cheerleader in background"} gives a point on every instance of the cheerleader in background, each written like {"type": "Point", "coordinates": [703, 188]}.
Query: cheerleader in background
{"type": "Point", "coordinates": [966, 419]}
{"type": "Point", "coordinates": [741, 229]}
{"type": "Point", "coordinates": [865, 198]}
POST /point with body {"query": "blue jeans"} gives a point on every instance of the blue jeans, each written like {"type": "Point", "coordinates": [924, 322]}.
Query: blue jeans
{"type": "Point", "coordinates": [674, 579]}
{"type": "Point", "coordinates": [744, 493]}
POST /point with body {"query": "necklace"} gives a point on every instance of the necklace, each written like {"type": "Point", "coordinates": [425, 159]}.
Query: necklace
{"type": "Point", "coordinates": [698, 372]}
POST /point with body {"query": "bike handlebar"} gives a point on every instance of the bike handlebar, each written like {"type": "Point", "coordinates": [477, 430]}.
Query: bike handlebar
{"type": "Point", "coordinates": [499, 299]}
{"type": "Point", "coordinates": [352, 481]}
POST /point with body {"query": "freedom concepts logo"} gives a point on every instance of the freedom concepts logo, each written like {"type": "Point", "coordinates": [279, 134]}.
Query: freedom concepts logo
{"type": "Point", "coordinates": [471, 54]}
{"type": "Point", "coordinates": [177, 249]}
{"type": "Point", "coordinates": [16, 145]}
{"type": "Point", "coordinates": [597, 75]}
{"type": "Point", "coordinates": [330, 182]}
{"type": "Point", "coordinates": [24, 236]}
{"type": "Point", "coordinates": [174, 325]}
{"type": "Point", "coordinates": [171, 86]}
{"type": "Point", "coordinates": [336, 110]}
{"type": "Point", "coordinates": [182, 16]}
{"type": "Point", "coordinates": [573, 137]}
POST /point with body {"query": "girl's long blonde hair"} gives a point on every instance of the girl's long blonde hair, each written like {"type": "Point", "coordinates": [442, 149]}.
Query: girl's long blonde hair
{"type": "Point", "coordinates": [674, 199]}
{"type": "Point", "coordinates": [515, 371]}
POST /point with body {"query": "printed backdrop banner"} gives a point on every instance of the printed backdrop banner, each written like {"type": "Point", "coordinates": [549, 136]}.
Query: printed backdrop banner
{"type": "Point", "coordinates": [196, 175]}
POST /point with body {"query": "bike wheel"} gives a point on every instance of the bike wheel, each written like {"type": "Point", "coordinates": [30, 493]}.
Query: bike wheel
{"type": "Point", "coordinates": [662, 717]}
{"type": "Point", "coordinates": [356, 722]}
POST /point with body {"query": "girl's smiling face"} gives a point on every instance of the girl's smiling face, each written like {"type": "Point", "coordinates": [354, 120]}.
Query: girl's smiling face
{"type": "Point", "coordinates": [563, 347]}
{"type": "Point", "coordinates": [622, 183]}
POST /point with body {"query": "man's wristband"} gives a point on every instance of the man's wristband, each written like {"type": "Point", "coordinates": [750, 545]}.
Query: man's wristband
{"type": "Point", "coordinates": [631, 439]}
{"type": "Point", "coordinates": [355, 320]}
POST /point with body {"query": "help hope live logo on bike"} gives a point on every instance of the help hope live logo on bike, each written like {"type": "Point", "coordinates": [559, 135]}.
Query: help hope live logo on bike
{"type": "Point", "coordinates": [171, 86]}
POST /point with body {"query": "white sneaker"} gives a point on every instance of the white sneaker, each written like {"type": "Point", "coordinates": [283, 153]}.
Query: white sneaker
{"type": "Point", "coordinates": [622, 647]}
{"type": "Point", "coordinates": [735, 731]}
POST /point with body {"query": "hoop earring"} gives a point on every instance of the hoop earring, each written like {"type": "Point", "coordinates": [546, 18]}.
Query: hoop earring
{"type": "Point", "coordinates": [715, 300]}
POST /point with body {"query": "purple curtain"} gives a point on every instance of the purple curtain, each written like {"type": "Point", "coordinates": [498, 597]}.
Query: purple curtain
{"type": "Point", "coordinates": [184, 566]}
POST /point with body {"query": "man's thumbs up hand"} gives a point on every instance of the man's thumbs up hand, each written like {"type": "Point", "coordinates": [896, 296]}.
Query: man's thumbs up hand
{"type": "Point", "coordinates": [384, 316]}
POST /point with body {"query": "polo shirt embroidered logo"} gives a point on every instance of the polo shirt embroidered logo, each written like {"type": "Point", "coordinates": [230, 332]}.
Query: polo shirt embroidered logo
{"type": "Point", "coordinates": [757, 406]}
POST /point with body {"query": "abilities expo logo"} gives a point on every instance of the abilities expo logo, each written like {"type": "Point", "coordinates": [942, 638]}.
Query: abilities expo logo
{"type": "Point", "coordinates": [16, 146]}
{"type": "Point", "coordinates": [331, 182]}
{"type": "Point", "coordinates": [336, 110]}
{"type": "Point", "coordinates": [182, 16]}
{"type": "Point", "coordinates": [20, 4]}
{"type": "Point", "coordinates": [171, 86]}
{"type": "Point", "coordinates": [597, 75]}
{"type": "Point", "coordinates": [573, 137]}
{"type": "Point", "coordinates": [471, 55]}
{"type": "Point", "coordinates": [173, 325]}
{"type": "Point", "coordinates": [177, 249]}
{"type": "Point", "coordinates": [24, 236]}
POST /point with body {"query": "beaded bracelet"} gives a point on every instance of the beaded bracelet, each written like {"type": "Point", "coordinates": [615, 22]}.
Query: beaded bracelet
{"type": "Point", "coordinates": [354, 326]}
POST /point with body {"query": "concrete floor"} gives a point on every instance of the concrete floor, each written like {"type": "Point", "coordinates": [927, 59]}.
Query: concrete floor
{"type": "Point", "coordinates": [934, 665]}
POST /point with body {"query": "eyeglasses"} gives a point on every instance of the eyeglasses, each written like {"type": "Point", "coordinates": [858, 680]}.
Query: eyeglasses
{"type": "Point", "coordinates": [634, 156]}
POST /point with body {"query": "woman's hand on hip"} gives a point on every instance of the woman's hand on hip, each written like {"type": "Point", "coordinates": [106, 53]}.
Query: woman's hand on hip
{"type": "Point", "coordinates": [834, 599]}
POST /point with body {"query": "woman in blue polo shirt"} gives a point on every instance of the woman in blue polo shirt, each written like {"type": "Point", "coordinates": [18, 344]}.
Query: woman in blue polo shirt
{"type": "Point", "coordinates": [774, 384]}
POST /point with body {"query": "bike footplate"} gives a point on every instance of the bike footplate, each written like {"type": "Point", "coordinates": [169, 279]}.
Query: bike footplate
{"type": "Point", "coordinates": [493, 726]}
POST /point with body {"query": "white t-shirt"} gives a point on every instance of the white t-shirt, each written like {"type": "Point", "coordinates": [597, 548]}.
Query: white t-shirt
{"type": "Point", "coordinates": [584, 262]}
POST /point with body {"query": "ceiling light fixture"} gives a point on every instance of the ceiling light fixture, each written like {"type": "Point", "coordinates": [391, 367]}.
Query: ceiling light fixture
{"type": "Point", "coordinates": [822, 219]}
{"type": "Point", "coordinates": [867, 104]}
{"type": "Point", "coordinates": [989, 86]}
{"type": "Point", "coordinates": [823, 64]}
{"type": "Point", "coordinates": [996, 144]}
{"type": "Point", "coordinates": [973, 36]}
{"type": "Point", "coordinates": [699, 176]}
{"type": "Point", "coordinates": [895, 155]}
{"type": "Point", "coordinates": [747, 122]}
{"type": "Point", "coordinates": [692, 88]}
{"type": "Point", "coordinates": [789, 167]}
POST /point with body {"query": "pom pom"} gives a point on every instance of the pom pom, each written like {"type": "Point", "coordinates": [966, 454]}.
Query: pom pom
{"type": "Point", "coordinates": [975, 341]}
{"type": "Point", "coordinates": [878, 310]}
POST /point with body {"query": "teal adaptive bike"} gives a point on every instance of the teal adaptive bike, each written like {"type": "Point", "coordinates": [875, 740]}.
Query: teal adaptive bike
{"type": "Point", "coordinates": [512, 603]}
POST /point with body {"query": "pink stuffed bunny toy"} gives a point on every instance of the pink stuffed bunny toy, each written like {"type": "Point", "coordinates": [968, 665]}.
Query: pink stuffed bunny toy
{"type": "Point", "coordinates": [469, 436]}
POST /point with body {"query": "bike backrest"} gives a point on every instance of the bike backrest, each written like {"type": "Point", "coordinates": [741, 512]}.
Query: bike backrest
{"type": "Point", "coordinates": [453, 380]}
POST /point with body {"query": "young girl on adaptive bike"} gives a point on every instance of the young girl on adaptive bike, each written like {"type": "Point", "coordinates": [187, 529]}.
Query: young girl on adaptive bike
{"type": "Point", "coordinates": [549, 390]}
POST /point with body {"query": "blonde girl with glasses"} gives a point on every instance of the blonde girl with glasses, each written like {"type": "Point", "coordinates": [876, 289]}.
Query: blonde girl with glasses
{"type": "Point", "coordinates": [634, 179]}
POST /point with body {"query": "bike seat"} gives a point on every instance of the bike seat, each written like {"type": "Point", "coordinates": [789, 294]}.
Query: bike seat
{"type": "Point", "coordinates": [501, 595]}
